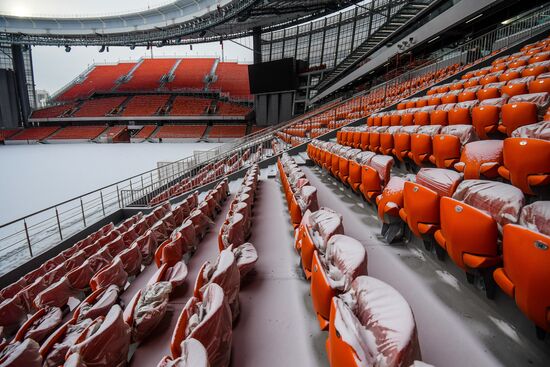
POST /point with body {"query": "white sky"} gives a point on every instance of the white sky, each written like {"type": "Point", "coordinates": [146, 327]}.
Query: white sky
{"type": "Point", "coordinates": [54, 68]}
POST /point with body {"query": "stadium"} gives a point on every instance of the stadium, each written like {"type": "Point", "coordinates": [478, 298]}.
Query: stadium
{"type": "Point", "coordinates": [215, 183]}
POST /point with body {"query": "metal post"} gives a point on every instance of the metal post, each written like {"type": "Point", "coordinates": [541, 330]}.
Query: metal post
{"type": "Point", "coordinates": [142, 185]}
{"type": "Point", "coordinates": [102, 205]}
{"type": "Point", "coordinates": [58, 224]}
{"type": "Point", "coordinates": [118, 196]}
{"type": "Point", "coordinates": [28, 237]}
{"type": "Point", "coordinates": [83, 216]}
{"type": "Point", "coordinates": [131, 190]}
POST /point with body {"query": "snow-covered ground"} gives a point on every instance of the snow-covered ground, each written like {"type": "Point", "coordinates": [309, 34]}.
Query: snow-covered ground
{"type": "Point", "coordinates": [38, 176]}
{"type": "Point", "coordinates": [41, 175]}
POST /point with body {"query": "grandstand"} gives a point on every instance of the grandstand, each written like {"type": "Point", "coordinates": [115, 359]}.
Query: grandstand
{"type": "Point", "coordinates": [384, 200]}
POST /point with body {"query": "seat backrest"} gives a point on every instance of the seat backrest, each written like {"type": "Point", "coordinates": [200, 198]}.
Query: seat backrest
{"type": "Point", "coordinates": [539, 130]}
{"type": "Point", "coordinates": [323, 224]}
{"type": "Point", "coordinates": [503, 202]}
{"type": "Point", "coordinates": [442, 181]}
{"type": "Point", "coordinates": [536, 217]}
{"type": "Point", "coordinates": [348, 256]}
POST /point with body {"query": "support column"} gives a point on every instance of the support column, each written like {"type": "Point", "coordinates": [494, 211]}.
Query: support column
{"type": "Point", "coordinates": [257, 44]}
{"type": "Point", "coordinates": [21, 82]}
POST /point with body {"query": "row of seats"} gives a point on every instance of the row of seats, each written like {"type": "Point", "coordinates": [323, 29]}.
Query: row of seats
{"type": "Point", "coordinates": [53, 111]}
{"type": "Point", "coordinates": [102, 78]}
{"type": "Point", "coordinates": [146, 105]}
{"type": "Point", "coordinates": [232, 109]}
{"type": "Point", "coordinates": [190, 74]}
{"type": "Point", "coordinates": [180, 132]}
{"type": "Point", "coordinates": [300, 195]}
{"type": "Point", "coordinates": [466, 218]}
{"type": "Point", "coordinates": [227, 131]}
{"type": "Point", "coordinates": [232, 78]}
{"type": "Point", "coordinates": [34, 133]}
{"type": "Point", "coordinates": [349, 304]}
{"type": "Point", "coordinates": [99, 107]}
{"type": "Point", "coordinates": [145, 132]}
{"type": "Point", "coordinates": [211, 172]}
{"type": "Point", "coordinates": [457, 147]}
{"type": "Point", "coordinates": [99, 333]}
{"type": "Point", "coordinates": [189, 106]}
{"type": "Point", "coordinates": [203, 332]}
{"type": "Point", "coordinates": [78, 132]}
{"type": "Point", "coordinates": [147, 76]}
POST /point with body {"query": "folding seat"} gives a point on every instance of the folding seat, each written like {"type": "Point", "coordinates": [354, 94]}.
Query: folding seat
{"type": "Point", "coordinates": [439, 116]}
{"type": "Point", "coordinates": [450, 97]}
{"type": "Point", "coordinates": [201, 223]}
{"type": "Point", "coordinates": [422, 116]}
{"type": "Point", "coordinates": [411, 103]}
{"type": "Point", "coordinates": [456, 86]}
{"type": "Point", "coordinates": [147, 244]}
{"type": "Point", "coordinates": [12, 289]}
{"type": "Point", "coordinates": [131, 259]}
{"type": "Point", "coordinates": [386, 118]}
{"type": "Point", "coordinates": [100, 259]}
{"type": "Point", "coordinates": [40, 325]}
{"type": "Point", "coordinates": [80, 277]}
{"type": "Point", "coordinates": [377, 119]}
{"type": "Point", "coordinates": [97, 304]}
{"type": "Point", "coordinates": [516, 86]}
{"type": "Point", "coordinates": [21, 354]}
{"type": "Point", "coordinates": [490, 78]}
{"type": "Point", "coordinates": [29, 293]}
{"type": "Point", "coordinates": [361, 158]}
{"type": "Point", "coordinates": [523, 110]}
{"type": "Point", "coordinates": [386, 140]}
{"type": "Point", "coordinates": [232, 232]}
{"type": "Point", "coordinates": [468, 94]}
{"type": "Point", "coordinates": [206, 317]}
{"type": "Point", "coordinates": [435, 99]}
{"type": "Point", "coordinates": [461, 112]}
{"type": "Point", "coordinates": [193, 354]}
{"type": "Point", "coordinates": [147, 309]}
{"type": "Point", "coordinates": [486, 116]}
{"type": "Point", "coordinates": [355, 138]}
{"type": "Point", "coordinates": [499, 67]}
{"type": "Point", "coordinates": [421, 144]}
{"type": "Point", "coordinates": [403, 105]}
{"type": "Point", "coordinates": [482, 71]}
{"type": "Point", "coordinates": [13, 314]}
{"type": "Point", "coordinates": [467, 75]}
{"type": "Point", "coordinates": [175, 275]}
{"type": "Point", "coordinates": [371, 307]}
{"type": "Point", "coordinates": [526, 264]}
{"type": "Point", "coordinates": [536, 69]}
{"type": "Point", "coordinates": [226, 274]}
{"type": "Point", "coordinates": [106, 343]}
{"type": "Point", "coordinates": [531, 175]}
{"type": "Point", "coordinates": [374, 140]}
{"type": "Point", "coordinates": [540, 85]}
{"type": "Point", "coordinates": [538, 57]}
{"type": "Point", "coordinates": [345, 162]}
{"type": "Point", "coordinates": [306, 199]}
{"type": "Point", "coordinates": [470, 224]}
{"type": "Point", "coordinates": [402, 142]}
{"type": "Point", "coordinates": [518, 62]}
{"type": "Point", "coordinates": [407, 118]}
{"type": "Point", "coordinates": [375, 175]}
{"type": "Point", "coordinates": [421, 199]}
{"type": "Point", "coordinates": [314, 232]}
{"type": "Point", "coordinates": [447, 145]}
{"type": "Point", "coordinates": [56, 295]}
{"type": "Point", "coordinates": [110, 274]}
{"type": "Point", "coordinates": [160, 230]}
{"type": "Point", "coordinates": [472, 82]}
{"type": "Point", "coordinates": [396, 118]}
{"type": "Point", "coordinates": [480, 159]}
{"type": "Point", "coordinates": [116, 246]}
{"type": "Point", "coordinates": [333, 271]}
{"type": "Point", "coordinates": [245, 257]}
{"type": "Point", "coordinates": [491, 90]}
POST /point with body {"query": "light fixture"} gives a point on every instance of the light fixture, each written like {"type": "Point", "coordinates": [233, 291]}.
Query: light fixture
{"type": "Point", "coordinates": [474, 18]}
{"type": "Point", "coordinates": [433, 39]}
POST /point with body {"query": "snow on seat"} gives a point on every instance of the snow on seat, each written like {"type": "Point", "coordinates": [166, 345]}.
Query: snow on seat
{"type": "Point", "coordinates": [314, 232]}
{"type": "Point", "coordinates": [371, 325]}
{"type": "Point", "coordinates": [245, 256]}
{"type": "Point", "coordinates": [12, 315]}
{"type": "Point", "coordinates": [105, 344]}
{"type": "Point", "coordinates": [170, 251]}
{"type": "Point", "coordinates": [147, 244]}
{"type": "Point", "coordinates": [111, 274]}
{"type": "Point", "coordinates": [332, 272]}
{"type": "Point", "coordinates": [131, 259]}
{"type": "Point", "coordinates": [375, 175]}
{"type": "Point", "coordinates": [486, 116]}
{"type": "Point", "coordinates": [206, 317]}
{"type": "Point", "coordinates": [40, 325]}
{"type": "Point", "coordinates": [344, 164]}
{"type": "Point", "coordinates": [56, 295]}
{"type": "Point", "coordinates": [232, 232]}
{"type": "Point", "coordinates": [226, 274]}
{"type": "Point", "coordinates": [54, 349]}
{"type": "Point", "coordinates": [175, 274]}
{"type": "Point", "coordinates": [421, 144]}
{"type": "Point", "coordinates": [386, 139]}
{"type": "Point", "coordinates": [355, 169]}
{"type": "Point", "coordinates": [526, 264]}
{"type": "Point", "coordinates": [516, 86]}
{"type": "Point", "coordinates": [471, 221]}
{"type": "Point", "coordinates": [531, 175]}
{"type": "Point", "coordinates": [421, 198]}
{"type": "Point", "coordinates": [461, 113]}
{"type": "Point", "coordinates": [306, 198]}
{"type": "Point", "coordinates": [524, 109]}
{"type": "Point", "coordinates": [201, 223]}
{"type": "Point", "coordinates": [80, 277]}
{"type": "Point", "coordinates": [21, 354]}
{"type": "Point", "coordinates": [100, 259]}
{"type": "Point", "coordinates": [480, 159]}
{"type": "Point", "coordinates": [193, 354]}
{"type": "Point", "coordinates": [447, 145]}
{"type": "Point", "coordinates": [147, 309]}
{"type": "Point", "coordinates": [402, 142]}
{"type": "Point", "coordinates": [97, 304]}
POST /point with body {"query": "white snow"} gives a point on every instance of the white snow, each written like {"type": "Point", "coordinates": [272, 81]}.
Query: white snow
{"type": "Point", "coordinates": [38, 176]}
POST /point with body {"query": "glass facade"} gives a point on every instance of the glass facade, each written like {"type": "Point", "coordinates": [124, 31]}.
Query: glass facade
{"type": "Point", "coordinates": [328, 41]}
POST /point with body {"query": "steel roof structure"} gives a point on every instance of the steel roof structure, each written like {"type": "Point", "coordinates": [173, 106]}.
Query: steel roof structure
{"type": "Point", "coordinates": [179, 22]}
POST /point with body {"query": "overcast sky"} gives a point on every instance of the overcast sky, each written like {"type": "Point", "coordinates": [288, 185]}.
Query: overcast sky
{"type": "Point", "coordinates": [54, 68]}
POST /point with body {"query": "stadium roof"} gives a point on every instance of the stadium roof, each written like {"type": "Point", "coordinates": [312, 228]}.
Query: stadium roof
{"type": "Point", "coordinates": [180, 22]}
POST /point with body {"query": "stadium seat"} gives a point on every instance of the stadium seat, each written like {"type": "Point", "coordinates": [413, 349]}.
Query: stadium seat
{"type": "Point", "coordinates": [332, 272]}
{"type": "Point", "coordinates": [374, 176]}
{"type": "Point", "coordinates": [193, 354]}
{"type": "Point", "coordinates": [480, 159]}
{"type": "Point", "coordinates": [371, 307]}
{"type": "Point", "coordinates": [447, 145]}
{"type": "Point", "coordinates": [522, 110]}
{"type": "Point", "coordinates": [470, 222]}
{"type": "Point", "coordinates": [525, 266]}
